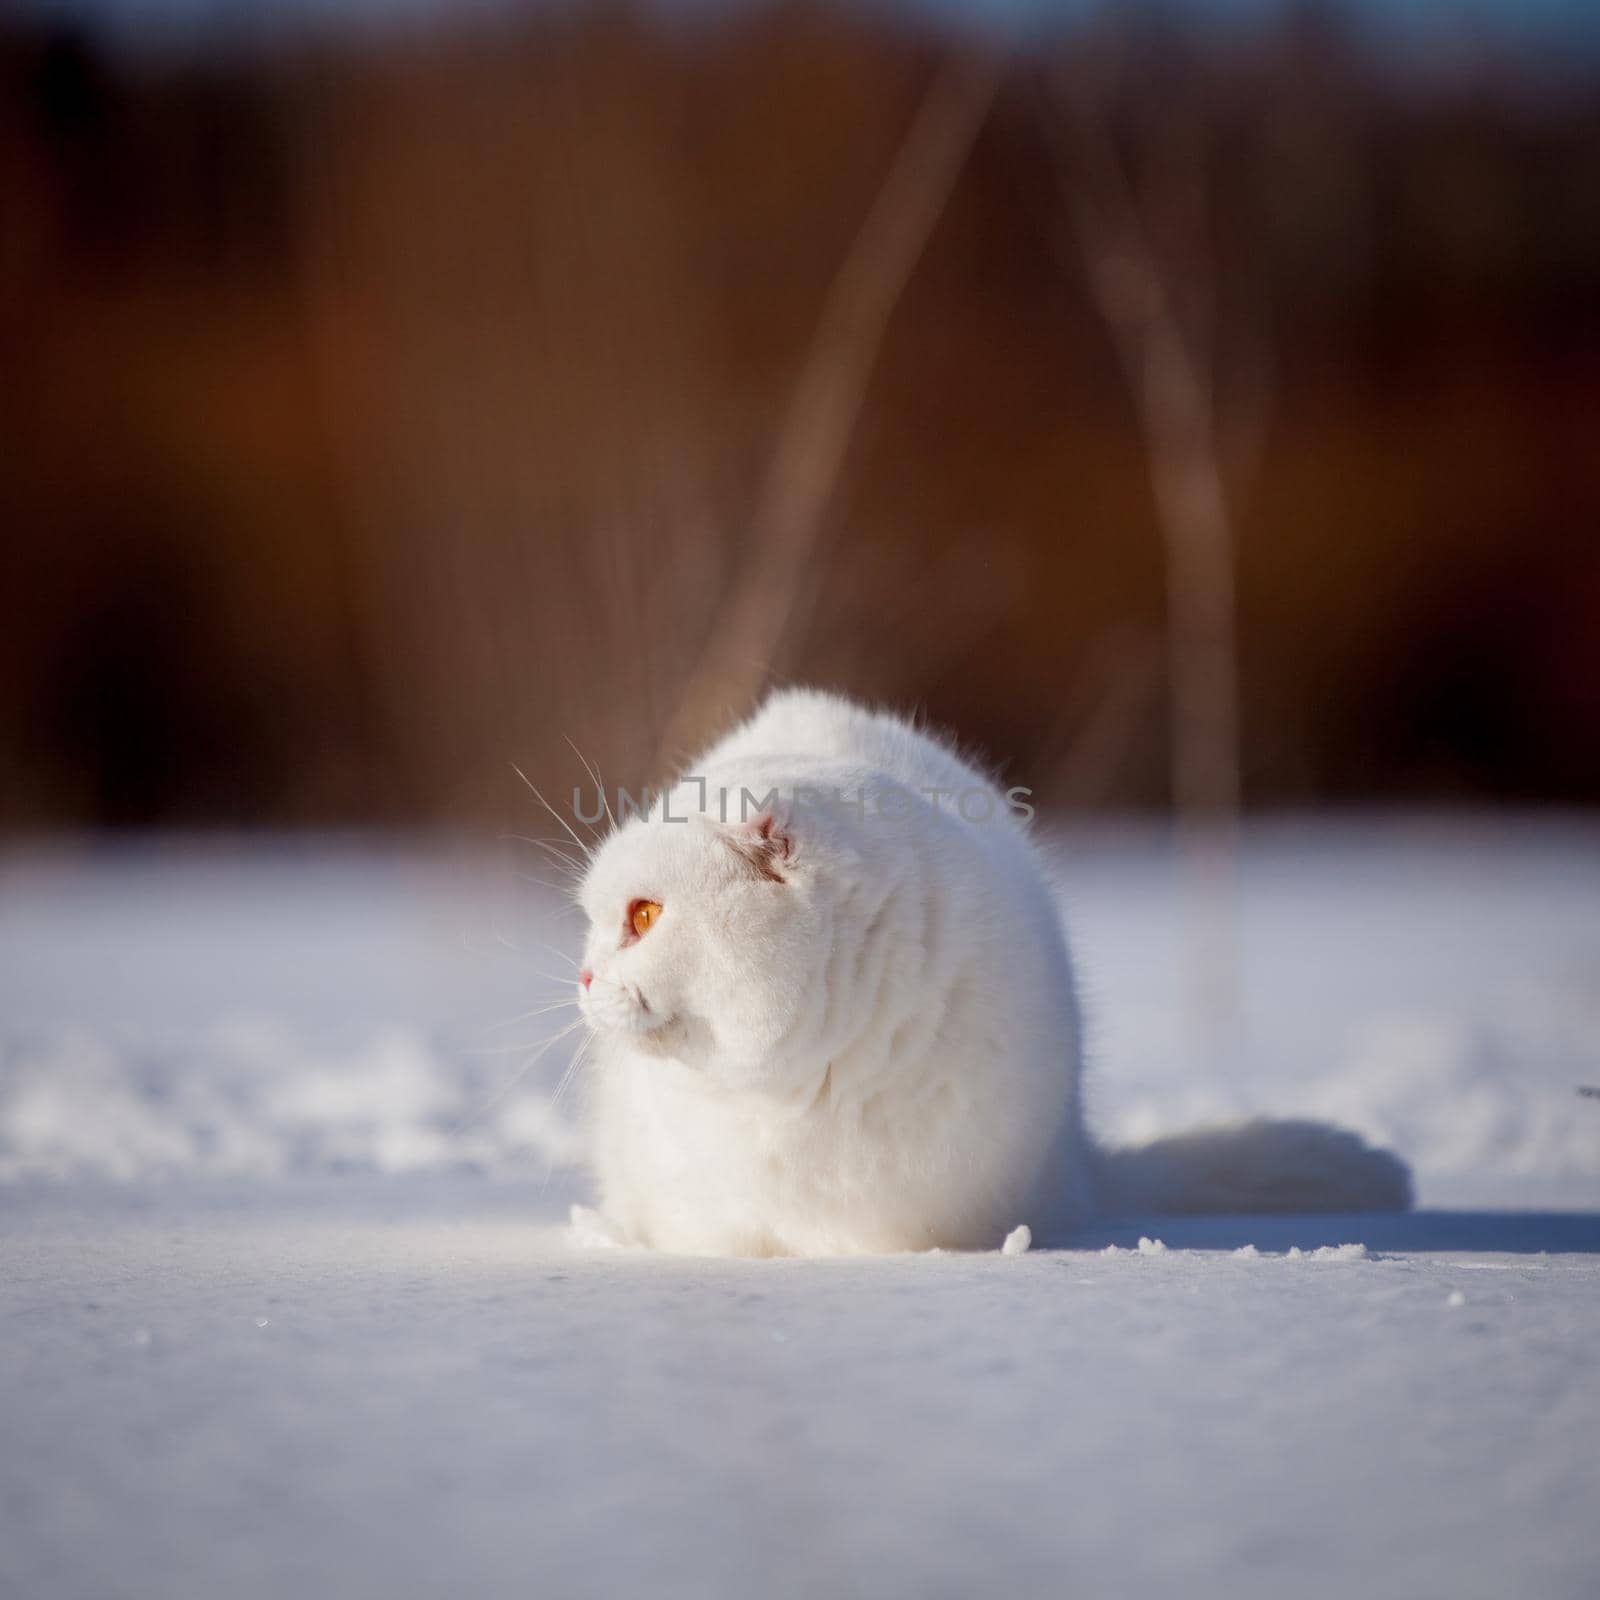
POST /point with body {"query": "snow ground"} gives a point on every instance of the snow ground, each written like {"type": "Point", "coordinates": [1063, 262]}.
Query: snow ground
{"type": "Point", "coordinates": [286, 1306]}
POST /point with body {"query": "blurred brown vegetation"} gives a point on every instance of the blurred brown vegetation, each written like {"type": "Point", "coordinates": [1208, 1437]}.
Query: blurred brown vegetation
{"type": "Point", "coordinates": [379, 414]}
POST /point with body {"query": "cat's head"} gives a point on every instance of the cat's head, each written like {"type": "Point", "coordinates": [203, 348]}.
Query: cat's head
{"type": "Point", "coordinates": [706, 941]}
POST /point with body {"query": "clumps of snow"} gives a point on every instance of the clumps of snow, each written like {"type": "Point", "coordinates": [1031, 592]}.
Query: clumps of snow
{"type": "Point", "coordinates": [1248, 1252]}
{"type": "Point", "coordinates": [1464, 1016]}
{"type": "Point", "coordinates": [261, 1100]}
{"type": "Point", "coordinates": [1456, 1299]}
{"type": "Point", "coordinates": [1404, 1066]}
{"type": "Point", "coordinates": [1018, 1242]}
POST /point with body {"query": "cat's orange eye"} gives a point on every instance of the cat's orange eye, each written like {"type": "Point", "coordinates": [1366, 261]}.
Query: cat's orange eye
{"type": "Point", "coordinates": [642, 916]}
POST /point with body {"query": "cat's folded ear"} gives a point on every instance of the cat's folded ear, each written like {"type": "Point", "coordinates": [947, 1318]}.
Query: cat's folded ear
{"type": "Point", "coordinates": [764, 843]}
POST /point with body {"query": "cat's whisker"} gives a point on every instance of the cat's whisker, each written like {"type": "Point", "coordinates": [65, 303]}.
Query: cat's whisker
{"type": "Point", "coordinates": [560, 955]}
{"type": "Point", "coordinates": [585, 851]}
{"type": "Point", "coordinates": [561, 891]}
{"type": "Point", "coordinates": [565, 906]}
{"type": "Point", "coordinates": [556, 849]}
{"type": "Point", "coordinates": [569, 1077]}
{"type": "Point", "coordinates": [495, 1052]}
{"type": "Point", "coordinates": [559, 979]}
{"type": "Point", "coordinates": [500, 1094]}
{"type": "Point", "coordinates": [528, 1016]}
{"type": "Point", "coordinates": [599, 783]}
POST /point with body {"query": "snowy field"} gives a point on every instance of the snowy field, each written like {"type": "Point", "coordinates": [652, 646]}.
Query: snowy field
{"type": "Point", "coordinates": [287, 1306]}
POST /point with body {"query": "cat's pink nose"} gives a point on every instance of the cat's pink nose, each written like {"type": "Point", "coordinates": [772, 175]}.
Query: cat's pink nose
{"type": "Point", "coordinates": [586, 977]}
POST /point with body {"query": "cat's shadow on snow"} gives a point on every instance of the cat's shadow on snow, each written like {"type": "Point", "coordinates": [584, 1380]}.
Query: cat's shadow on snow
{"type": "Point", "coordinates": [1406, 1232]}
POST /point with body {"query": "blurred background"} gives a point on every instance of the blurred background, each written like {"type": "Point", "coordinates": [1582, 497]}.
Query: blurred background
{"type": "Point", "coordinates": [1195, 404]}
{"type": "Point", "coordinates": [1191, 400]}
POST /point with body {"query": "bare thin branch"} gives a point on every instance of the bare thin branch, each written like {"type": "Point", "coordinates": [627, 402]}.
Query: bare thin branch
{"type": "Point", "coordinates": [1169, 370]}
{"type": "Point", "coordinates": [826, 402]}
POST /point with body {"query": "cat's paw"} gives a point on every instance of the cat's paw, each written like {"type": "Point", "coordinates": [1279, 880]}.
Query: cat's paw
{"type": "Point", "coordinates": [591, 1230]}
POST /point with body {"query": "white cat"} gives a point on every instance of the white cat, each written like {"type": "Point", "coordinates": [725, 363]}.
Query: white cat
{"type": "Point", "coordinates": [835, 1015]}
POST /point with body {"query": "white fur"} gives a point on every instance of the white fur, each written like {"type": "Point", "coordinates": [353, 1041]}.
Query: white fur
{"type": "Point", "coordinates": [854, 1027]}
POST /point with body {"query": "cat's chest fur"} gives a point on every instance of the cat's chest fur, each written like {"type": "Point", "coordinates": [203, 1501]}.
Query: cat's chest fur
{"type": "Point", "coordinates": [689, 1168]}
